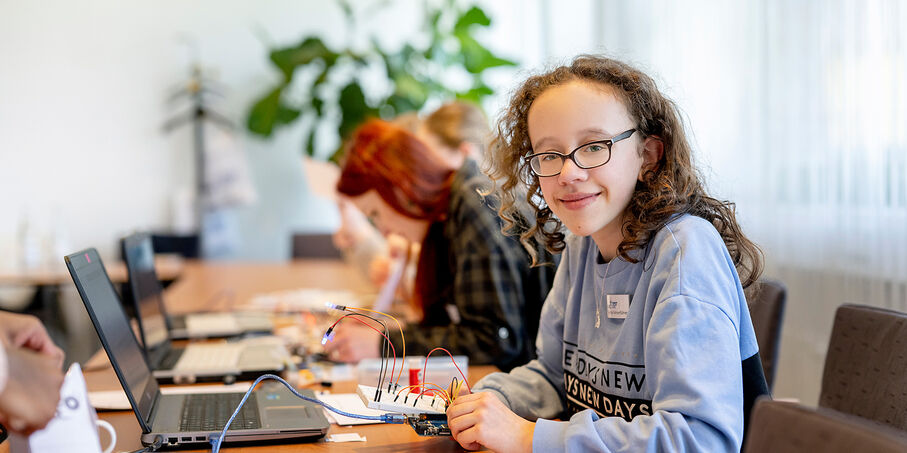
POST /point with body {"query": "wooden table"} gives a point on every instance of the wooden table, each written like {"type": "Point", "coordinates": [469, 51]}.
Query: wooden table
{"type": "Point", "coordinates": [381, 438]}
{"type": "Point", "coordinates": [168, 267]}
{"type": "Point", "coordinates": [220, 286]}
{"type": "Point", "coordinates": [201, 282]}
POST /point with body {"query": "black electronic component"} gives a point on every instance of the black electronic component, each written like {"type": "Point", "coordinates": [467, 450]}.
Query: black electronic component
{"type": "Point", "coordinates": [429, 424]}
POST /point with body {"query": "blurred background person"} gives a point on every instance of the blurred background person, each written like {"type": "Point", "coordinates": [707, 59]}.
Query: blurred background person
{"type": "Point", "coordinates": [454, 133]}
{"type": "Point", "coordinates": [475, 289]}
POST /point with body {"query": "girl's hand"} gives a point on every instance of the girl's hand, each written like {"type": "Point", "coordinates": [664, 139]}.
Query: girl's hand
{"type": "Point", "coordinates": [481, 420]}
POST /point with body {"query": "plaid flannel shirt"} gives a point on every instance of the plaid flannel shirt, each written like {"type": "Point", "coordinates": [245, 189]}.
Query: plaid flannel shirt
{"type": "Point", "coordinates": [490, 299]}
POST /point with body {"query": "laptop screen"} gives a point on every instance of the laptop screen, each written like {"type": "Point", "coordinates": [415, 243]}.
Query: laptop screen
{"type": "Point", "coordinates": [103, 306]}
{"type": "Point", "coordinates": [146, 289]}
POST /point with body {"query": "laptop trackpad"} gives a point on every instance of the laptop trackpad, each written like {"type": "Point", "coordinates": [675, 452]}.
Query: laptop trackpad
{"type": "Point", "coordinates": [289, 416]}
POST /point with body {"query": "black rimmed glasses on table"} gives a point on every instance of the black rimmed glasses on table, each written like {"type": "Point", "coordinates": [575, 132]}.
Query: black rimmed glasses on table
{"type": "Point", "coordinates": [590, 155]}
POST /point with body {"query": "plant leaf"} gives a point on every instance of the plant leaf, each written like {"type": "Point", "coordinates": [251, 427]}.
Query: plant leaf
{"type": "Point", "coordinates": [318, 105]}
{"type": "Point", "coordinates": [473, 16]}
{"type": "Point", "coordinates": [285, 114]}
{"type": "Point", "coordinates": [310, 49]}
{"type": "Point", "coordinates": [476, 94]}
{"type": "Point", "coordinates": [476, 58]}
{"type": "Point", "coordinates": [269, 112]}
{"type": "Point", "coordinates": [401, 104]}
{"type": "Point", "coordinates": [353, 108]}
{"type": "Point", "coordinates": [406, 86]}
{"type": "Point", "coordinates": [309, 144]}
{"type": "Point", "coordinates": [264, 113]}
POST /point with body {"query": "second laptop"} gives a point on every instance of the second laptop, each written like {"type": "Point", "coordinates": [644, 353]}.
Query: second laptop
{"type": "Point", "coordinates": [244, 359]}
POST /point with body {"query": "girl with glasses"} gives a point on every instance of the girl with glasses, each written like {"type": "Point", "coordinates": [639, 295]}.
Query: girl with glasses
{"type": "Point", "coordinates": [645, 341]}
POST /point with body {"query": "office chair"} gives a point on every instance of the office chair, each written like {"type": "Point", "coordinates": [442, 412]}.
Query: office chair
{"type": "Point", "coordinates": [783, 427]}
{"type": "Point", "coordinates": [866, 365]}
{"type": "Point", "coordinates": [766, 300]}
{"type": "Point", "coordinates": [314, 246]}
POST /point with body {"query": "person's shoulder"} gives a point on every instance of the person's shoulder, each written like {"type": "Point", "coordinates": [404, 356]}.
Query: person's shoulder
{"type": "Point", "coordinates": [472, 217]}
{"type": "Point", "coordinates": [470, 191]}
{"type": "Point", "coordinates": [687, 230]}
{"type": "Point", "coordinates": [691, 256]}
{"type": "Point", "coordinates": [690, 243]}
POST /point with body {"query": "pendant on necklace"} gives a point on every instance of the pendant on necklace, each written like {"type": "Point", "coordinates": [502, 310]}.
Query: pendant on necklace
{"type": "Point", "coordinates": [598, 304]}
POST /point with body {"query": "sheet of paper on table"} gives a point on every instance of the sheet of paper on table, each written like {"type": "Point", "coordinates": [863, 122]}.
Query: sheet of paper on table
{"type": "Point", "coordinates": [347, 402]}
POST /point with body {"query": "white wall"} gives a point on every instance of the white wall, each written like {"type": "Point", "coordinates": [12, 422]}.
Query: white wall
{"type": "Point", "coordinates": [83, 89]}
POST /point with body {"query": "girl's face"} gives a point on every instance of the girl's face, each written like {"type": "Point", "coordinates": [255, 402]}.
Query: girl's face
{"type": "Point", "coordinates": [387, 220]}
{"type": "Point", "coordinates": [587, 201]}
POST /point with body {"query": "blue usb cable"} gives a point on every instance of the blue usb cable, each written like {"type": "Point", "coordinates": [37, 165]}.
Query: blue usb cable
{"type": "Point", "coordinates": [386, 418]}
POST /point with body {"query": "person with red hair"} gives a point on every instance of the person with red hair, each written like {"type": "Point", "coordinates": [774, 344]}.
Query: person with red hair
{"type": "Point", "coordinates": [478, 292]}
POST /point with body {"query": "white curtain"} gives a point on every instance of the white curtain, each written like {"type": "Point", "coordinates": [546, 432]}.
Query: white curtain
{"type": "Point", "coordinates": [832, 212]}
{"type": "Point", "coordinates": [798, 112]}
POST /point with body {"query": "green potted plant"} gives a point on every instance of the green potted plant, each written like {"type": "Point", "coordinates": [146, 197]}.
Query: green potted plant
{"type": "Point", "coordinates": [413, 73]}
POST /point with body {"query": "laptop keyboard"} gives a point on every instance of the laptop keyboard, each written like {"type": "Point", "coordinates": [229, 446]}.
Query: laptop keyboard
{"type": "Point", "coordinates": [209, 357]}
{"type": "Point", "coordinates": [211, 323]}
{"type": "Point", "coordinates": [210, 412]}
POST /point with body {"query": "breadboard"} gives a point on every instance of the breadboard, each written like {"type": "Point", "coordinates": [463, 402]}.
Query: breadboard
{"type": "Point", "coordinates": [409, 404]}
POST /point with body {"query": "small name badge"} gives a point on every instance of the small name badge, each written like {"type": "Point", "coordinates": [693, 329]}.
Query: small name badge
{"type": "Point", "coordinates": [618, 306]}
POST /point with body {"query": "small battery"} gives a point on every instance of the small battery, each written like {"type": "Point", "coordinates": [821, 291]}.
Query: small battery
{"type": "Point", "coordinates": [415, 375]}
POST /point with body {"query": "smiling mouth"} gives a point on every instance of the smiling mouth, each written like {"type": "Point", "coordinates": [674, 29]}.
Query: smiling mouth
{"type": "Point", "coordinates": [578, 200]}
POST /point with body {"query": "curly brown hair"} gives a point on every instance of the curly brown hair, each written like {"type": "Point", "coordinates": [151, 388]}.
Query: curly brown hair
{"type": "Point", "coordinates": [672, 187]}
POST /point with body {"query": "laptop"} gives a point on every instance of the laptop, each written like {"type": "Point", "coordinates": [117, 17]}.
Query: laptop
{"type": "Point", "coordinates": [226, 361]}
{"type": "Point", "coordinates": [149, 301]}
{"type": "Point", "coordinates": [270, 413]}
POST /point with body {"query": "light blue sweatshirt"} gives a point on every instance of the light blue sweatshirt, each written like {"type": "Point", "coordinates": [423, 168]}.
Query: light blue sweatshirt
{"type": "Point", "coordinates": [677, 372]}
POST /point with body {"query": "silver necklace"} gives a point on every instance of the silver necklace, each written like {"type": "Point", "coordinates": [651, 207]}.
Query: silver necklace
{"type": "Point", "coordinates": [598, 305]}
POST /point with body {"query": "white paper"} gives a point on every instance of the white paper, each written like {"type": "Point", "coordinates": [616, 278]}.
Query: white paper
{"type": "Point", "coordinates": [346, 437]}
{"type": "Point", "coordinates": [348, 402]}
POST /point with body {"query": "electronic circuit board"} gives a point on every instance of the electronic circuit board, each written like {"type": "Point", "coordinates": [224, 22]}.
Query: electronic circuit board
{"type": "Point", "coordinates": [401, 402]}
{"type": "Point", "coordinates": [429, 424]}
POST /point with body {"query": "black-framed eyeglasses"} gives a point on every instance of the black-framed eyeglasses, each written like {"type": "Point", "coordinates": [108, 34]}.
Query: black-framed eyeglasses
{"type": "Point", "coordinates": [591, 155]}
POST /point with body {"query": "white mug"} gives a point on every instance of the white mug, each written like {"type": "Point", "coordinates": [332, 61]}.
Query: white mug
{"type": "Point", "coordinates": [111, 431]}
{"type": "Point", "coordinates": [74, 428]}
